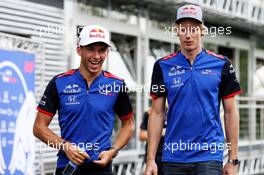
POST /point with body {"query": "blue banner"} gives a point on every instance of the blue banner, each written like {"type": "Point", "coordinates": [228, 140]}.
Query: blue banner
{"type": "Point", "coordinates": [17, 112]}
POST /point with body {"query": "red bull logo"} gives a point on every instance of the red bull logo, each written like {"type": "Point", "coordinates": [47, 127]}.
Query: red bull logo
{"type": "Point", "coordinates": [96, 33]}
{"type": "Point", "coordinates": [188, 11]}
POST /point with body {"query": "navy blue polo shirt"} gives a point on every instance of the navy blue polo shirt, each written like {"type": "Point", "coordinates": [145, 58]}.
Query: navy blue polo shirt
{"type": "Point", "coordinates": [86, 115]}
{"type": "Point", "coordinates": [194, 132]}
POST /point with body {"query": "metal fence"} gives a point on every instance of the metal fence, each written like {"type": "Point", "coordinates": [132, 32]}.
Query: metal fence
{"type": "Point", "coordinates": [251, 143]}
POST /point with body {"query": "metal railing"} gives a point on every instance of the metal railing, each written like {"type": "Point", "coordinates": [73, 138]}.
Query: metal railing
{"type": "Point", "coordinates": [251, 144]}
{"type": "Point", "coordinates": [129, 163]}
{"type": "Point", "coordinates": [251, 155]}
{"type": "Point", "coordinates": [251, 118]}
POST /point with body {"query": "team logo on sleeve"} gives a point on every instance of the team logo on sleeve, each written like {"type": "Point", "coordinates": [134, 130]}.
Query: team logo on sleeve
{"type": "Point", "coordinates": [72, 89]}
{"type": "Point", "coordinates": [42, 102]}
{"type": "Point", "coordinates": [231, 69]}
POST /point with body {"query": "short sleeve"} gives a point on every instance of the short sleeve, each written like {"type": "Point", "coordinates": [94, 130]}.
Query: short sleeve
{"type": "Point", "coordinates": [229, 83]}
{"type": "Point", "coordinates": [144, 124]}
{"type": "Point", "coordinates": [123, 107]}
{"type": "Point", "coordinates": [157, 88]}
{"type": "Point", "coordinates": [49, 102]}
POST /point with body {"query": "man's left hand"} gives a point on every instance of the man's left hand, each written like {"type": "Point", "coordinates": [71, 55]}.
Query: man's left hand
{"type": "Point", "coordinates": [104, 158]}
{"type": "Point", "coordinates": [230, 169]}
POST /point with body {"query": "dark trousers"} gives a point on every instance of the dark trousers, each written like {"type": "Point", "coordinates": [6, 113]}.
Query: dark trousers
{"type": "Point", "coordinates": [158, 160]}
{"type": "Point", "coordinates": [197, 168]}
{"type": "Point", "coordinates": [89, 169]}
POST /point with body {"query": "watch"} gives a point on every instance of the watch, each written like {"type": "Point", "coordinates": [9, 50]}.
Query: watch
{"type": "Point", "coordinates": [234, 162]}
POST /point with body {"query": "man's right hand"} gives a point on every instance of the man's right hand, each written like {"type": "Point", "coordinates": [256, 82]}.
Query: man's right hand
{"type": "Point", "coordinates": [75, 154]}
{"type": "Point", "coordinates": [152, 168]}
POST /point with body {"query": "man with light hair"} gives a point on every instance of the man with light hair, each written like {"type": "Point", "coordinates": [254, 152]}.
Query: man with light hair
{"type": "Point", "coordinates": [194, 81]}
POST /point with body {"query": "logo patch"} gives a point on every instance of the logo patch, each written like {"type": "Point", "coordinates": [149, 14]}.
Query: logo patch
{"type": "Point", "coordinates": [96, 33]}
{"type": "Point", "coordinates": [209, 72]}
{"type": "Point", "coordinates": [108, 90]}
{"type": "Point", "coordinates": [176, 70]}
{"type": "Point", "coordinates": [177, 82]}
{"type": "Point", "coordinates": [189, 11]}
{"type": "Point", "coordinates": [72, 100]}
{"type": "Point", "coordinates": [72, 89]}
{"type": "Point", "coordinates": [231, 69]}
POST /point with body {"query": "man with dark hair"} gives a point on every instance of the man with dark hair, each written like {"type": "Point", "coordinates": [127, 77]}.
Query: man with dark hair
{"type": "Point", "coordinates": [87, 100]}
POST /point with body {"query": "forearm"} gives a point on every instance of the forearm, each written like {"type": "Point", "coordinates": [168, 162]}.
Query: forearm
{"type": "Point", "coordinates": [232, 132]}
{"type": "Point", "coordinates": [155, 126]}
{"type": "Point", "coordinates": [124, 134]}
{"type": "Point", "coordinates": [47, 136]}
